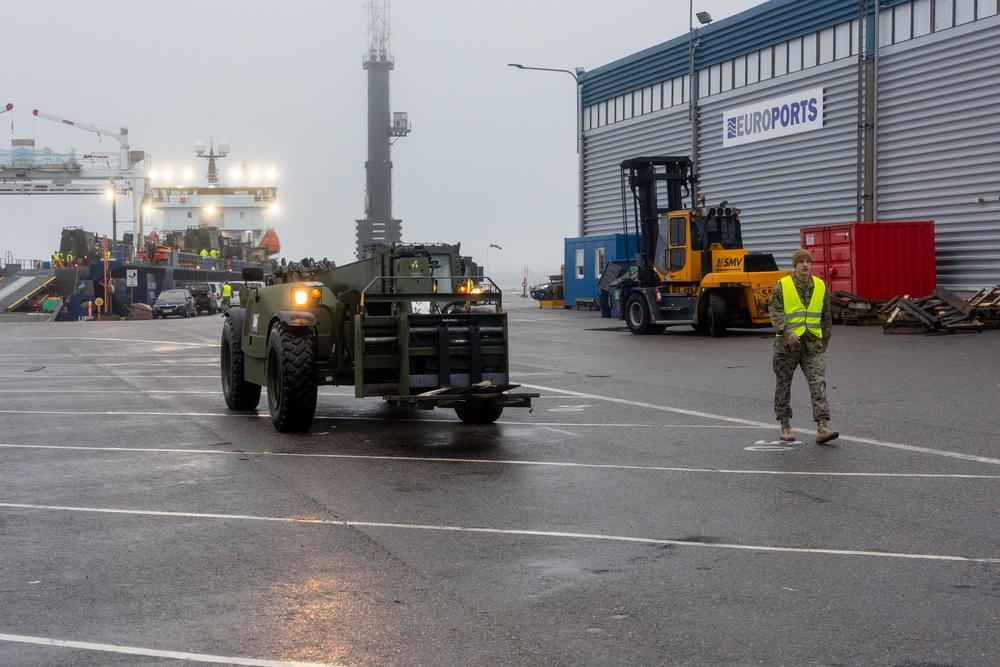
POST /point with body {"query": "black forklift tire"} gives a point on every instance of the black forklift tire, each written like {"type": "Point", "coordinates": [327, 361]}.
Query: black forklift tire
{"type": "Point", "coordinates": [701, 325]}
{"type": "Point", "coordinates": [239, 394]}
{"type": "Point", "coordinates": [637, 316]}
{"type": "Point", "coordinates": [291, 379]}
{"type": "Point", "coordinates": [481, 413]}
{"type": "Point", "coordinates": [717, 319]}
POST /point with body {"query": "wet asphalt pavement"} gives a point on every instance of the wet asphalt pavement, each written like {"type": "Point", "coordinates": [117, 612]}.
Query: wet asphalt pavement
{"type": "Point", "coordinates": [644, 513]}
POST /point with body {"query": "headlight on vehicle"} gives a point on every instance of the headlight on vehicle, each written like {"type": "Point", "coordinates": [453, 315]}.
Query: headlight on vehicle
{"type": "Point", "coordinates": [307, 297]}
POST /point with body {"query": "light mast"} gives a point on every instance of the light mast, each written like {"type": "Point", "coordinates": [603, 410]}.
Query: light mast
{"type": "Point", "coordinates": [378, 223]}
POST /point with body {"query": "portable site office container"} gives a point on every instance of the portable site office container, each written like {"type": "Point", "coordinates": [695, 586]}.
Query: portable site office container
{"type": "Point", "coordinates": [585, 259]}
{"type": "Point", "coordinates": [874, 260]}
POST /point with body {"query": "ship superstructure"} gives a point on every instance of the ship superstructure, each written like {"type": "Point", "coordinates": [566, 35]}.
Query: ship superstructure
{"type": "Point", "coordinates": [242, 207]}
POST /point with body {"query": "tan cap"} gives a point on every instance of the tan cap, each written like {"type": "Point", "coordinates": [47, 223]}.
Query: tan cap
{"type": "Point", "coordinates": [800, 255]}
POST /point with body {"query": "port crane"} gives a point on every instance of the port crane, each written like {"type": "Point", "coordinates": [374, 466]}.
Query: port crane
{"type": "Point", "coordinates": [26, 172]}
{"type": "Point", "coordinates": [124, 159]}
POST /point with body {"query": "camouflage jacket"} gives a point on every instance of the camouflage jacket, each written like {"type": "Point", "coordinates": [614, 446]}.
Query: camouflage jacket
{"type": "Point", "coordinates": [776, 308]}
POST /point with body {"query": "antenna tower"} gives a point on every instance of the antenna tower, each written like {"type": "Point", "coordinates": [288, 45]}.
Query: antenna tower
{"type": "Point", "coordinates": [378, 29]}
{"type": "Point", "coordinates": [378, 225]}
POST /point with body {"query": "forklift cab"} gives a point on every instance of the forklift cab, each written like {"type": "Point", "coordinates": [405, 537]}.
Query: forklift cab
{"type": "Point", "coordinates": [686, 240]}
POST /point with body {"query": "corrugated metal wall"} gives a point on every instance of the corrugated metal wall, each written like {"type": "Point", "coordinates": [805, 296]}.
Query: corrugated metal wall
{"type": "Point", "coordinates": [939, 146]}
{"type": "Point", "coordinates": [784, 184]}
{"type": "Point", "coordinates": [664, 133]}
{"type": "Point", "coordinates": [755, 28]}
{"type": "Point", "coordinates": [781, 185]}
{"type": "Point", "coordinates": [938, 151]}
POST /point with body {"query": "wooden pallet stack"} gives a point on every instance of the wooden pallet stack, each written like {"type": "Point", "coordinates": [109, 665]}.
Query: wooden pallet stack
{"type": "Point", "coordinates": [986, 303]}
{"type": "Point", "coordinates": [941, 312]}
{"type": "Point", "coordinates": [848, 308]}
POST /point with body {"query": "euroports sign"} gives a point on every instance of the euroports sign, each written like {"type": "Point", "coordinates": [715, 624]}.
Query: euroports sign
{"type": "Point", "coordinates": [777, 117]}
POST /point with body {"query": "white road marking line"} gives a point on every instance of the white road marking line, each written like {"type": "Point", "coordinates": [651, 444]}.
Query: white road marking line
{"type": "Point", "coordinates": [154, 653]}
{"type": "Point", "coordinates": [122, 413]}
{"type": "Point", "coordinates": [734, 422]}
{"type": "Point", "coordinates": [23, 376]}
{"type": "Point", "coordinates": [106, 391]}
{"type": "Point", "coordinates": [346, 418]}
{"type": "Point", "coordinates": [652, 406]}
{"type": "Point", "coordinates": [503, 531]}
{"type": "Point", "coordinates": [555, 464]}
{"type": "Point", "coordinates": [921, 450]}
{"type": "Point", "coordinates": [559, 430]}
{"type": "Point", "coordinates": [142, 341]}
{"type": "Point", "coordinates": [768, 425]}
{"type": "Point", "coordinates": [208, 392]}
{"type": "Point", "coordinates": [587, 424]}
{"type": "Point", "coordinates": [173, 363]}
{"type": "Point", "coordinates": [117, 359]}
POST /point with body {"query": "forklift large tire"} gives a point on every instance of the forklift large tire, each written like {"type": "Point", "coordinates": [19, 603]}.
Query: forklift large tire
{"type": "Point", "coordinates": [291, 379]}
{"type": "Point", "coordinates": [239, 394]}
{"type": "Point", "coordinates": [701, 326]}
{"type": "Point", "coordinates": [479, 414]}
{"type": "Point", "coordinates": [717, 319]}
{"type": "Point", "coordinates": [637, 316]}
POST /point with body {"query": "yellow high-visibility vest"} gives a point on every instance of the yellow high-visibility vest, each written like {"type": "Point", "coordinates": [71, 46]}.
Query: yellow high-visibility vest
{"type": "Point", "coordinates": [227, 290]}
{"type": "Point", "coordinates": [798, 317]}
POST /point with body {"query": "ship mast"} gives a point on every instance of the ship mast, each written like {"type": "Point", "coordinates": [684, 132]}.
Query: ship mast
{"type": "Point", "coordinates": [378, 225]}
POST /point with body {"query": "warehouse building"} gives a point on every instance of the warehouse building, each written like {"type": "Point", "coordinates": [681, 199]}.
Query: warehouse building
{"type": "Point", "coordinates": [796, 117]}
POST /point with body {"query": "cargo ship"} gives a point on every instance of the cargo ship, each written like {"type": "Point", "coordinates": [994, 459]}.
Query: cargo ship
{"type": "Point", "coordinates": [197, 233]}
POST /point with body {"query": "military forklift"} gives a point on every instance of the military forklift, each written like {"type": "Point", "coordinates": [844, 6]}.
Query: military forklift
{"type": "Point", "coordinates": [405, 322]}
{"type": "Point", "coordinates": [691, 267]}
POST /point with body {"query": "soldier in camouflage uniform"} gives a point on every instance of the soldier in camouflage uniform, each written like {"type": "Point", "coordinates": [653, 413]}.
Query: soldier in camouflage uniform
{"type": "Point", "coordinates": [803, 334]}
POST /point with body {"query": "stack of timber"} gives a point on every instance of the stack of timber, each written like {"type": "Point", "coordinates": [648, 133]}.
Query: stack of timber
{"type": "Point", "coordinates": [847, 308]}
{"type": "Point", "coordinates": [987, 306]}
{"type": "Point", "coordinates": [941, 312]}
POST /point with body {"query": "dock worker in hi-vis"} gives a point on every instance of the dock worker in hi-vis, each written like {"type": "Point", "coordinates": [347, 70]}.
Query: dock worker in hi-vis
{"type": "Point", "coordinates": [800, 313]}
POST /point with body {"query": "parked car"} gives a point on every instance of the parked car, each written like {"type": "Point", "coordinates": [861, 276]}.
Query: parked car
{"type": "Point", "coordinates": [174, 302]}
{"type": "Point", "coordinates": [204, 297]}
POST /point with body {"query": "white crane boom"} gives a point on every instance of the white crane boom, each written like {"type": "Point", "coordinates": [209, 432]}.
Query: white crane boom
{"type": "Point", "coordinates": [137, 179]}
{"type": "Point", "coordinates": [121, 138]}
{"type": "Point", "coordinates": [7, 108]}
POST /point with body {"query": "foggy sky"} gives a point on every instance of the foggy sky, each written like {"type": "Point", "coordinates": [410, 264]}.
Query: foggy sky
{"type": "Point", "coordinates": [492, 153]}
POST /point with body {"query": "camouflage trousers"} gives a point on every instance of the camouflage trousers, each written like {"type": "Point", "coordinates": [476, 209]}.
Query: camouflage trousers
{"type": "Point", "coordinates": [808, 354]}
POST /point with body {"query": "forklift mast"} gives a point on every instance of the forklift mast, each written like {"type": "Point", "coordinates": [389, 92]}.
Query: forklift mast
{"type": "Point", "coordinates": [642, 174]}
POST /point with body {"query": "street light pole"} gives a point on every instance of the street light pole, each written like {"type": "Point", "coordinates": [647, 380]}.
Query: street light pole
{"type": "Point", "coordinates": [113, 197]}
{"type": "Point", "coordinates": [579, 130]}
{"type": "Point", "coordinates": [704, 18]}
{"type": "Point", "coordinates": [492, 245]}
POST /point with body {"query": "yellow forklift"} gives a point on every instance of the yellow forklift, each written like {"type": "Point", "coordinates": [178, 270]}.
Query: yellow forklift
{"type": "Point", "coordinates": [691, 267]}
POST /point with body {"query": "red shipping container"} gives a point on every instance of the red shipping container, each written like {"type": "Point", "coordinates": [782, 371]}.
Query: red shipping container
{"type": "Point", "coordinates": [874, 260]}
